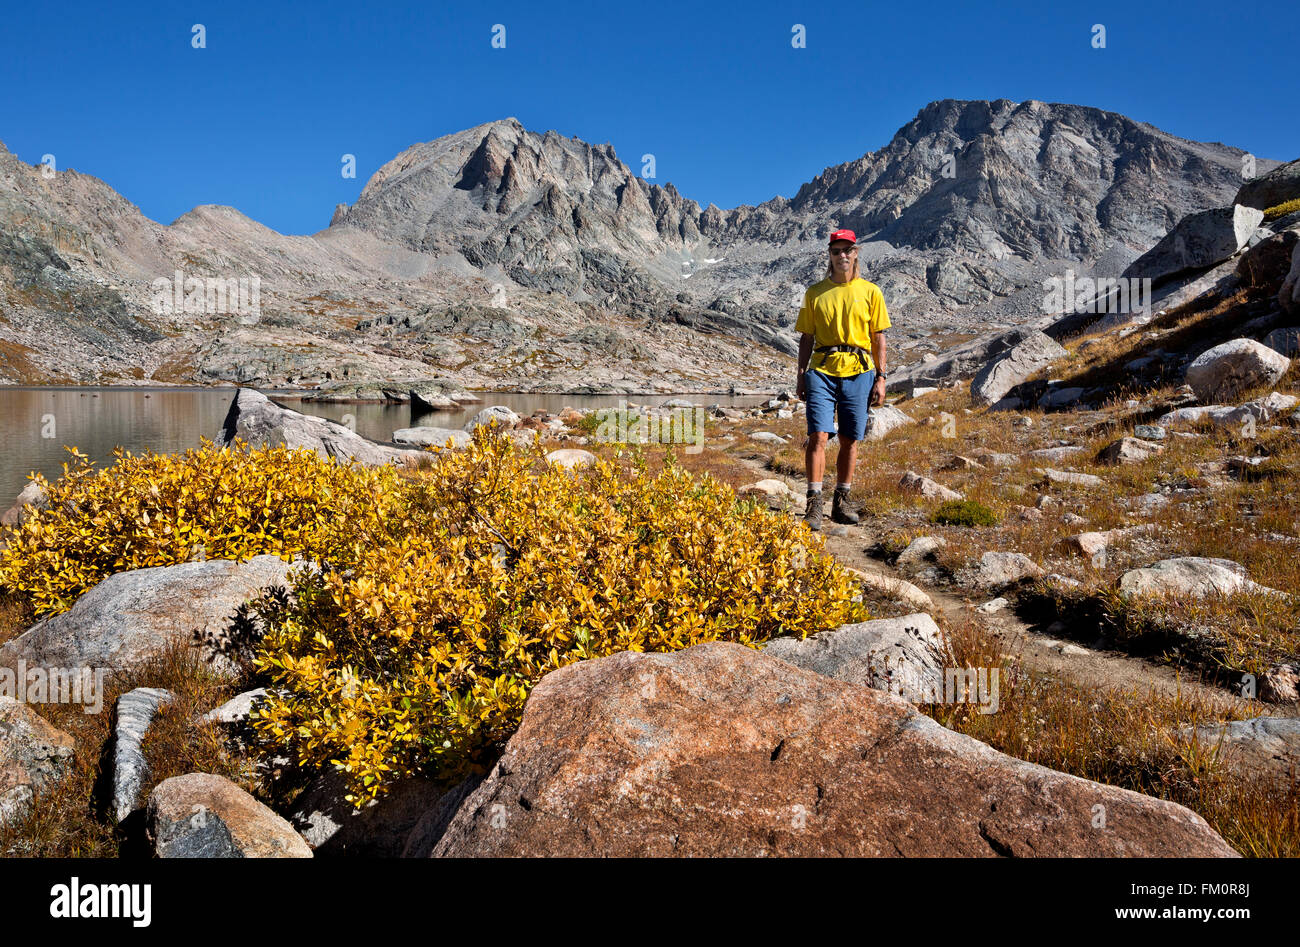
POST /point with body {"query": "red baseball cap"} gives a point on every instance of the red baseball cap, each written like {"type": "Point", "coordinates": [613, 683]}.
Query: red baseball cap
{"type": "Point", "coordinates": [844, 235]}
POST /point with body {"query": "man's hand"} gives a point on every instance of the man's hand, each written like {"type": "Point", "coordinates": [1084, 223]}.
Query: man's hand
{"type": "Point", "coordinates": [801, 388]}
{"type": "Point", "coordinates": [877, 393]}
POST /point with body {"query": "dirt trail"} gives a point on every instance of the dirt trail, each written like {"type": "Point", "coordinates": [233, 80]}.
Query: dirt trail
{"type": "Point", "coordinates": [1038, 651]}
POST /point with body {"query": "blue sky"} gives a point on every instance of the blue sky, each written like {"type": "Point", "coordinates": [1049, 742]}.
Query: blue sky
{"type": "Point", "coordinates": [260, 118]}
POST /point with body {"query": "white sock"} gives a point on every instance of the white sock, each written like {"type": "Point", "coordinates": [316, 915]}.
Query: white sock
{"type": "Point", "coordinates": [843, 486]}
{"type": "Point", "coordinates": [814, 488]}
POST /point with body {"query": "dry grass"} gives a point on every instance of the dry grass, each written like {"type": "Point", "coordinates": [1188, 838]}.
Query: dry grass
{"type": "Point", "coordinates": [15, 361]}
{"type": "Point", "coordinates": [71, 820]}
{"type": "Point", "coordinates": [15, 617]}
{"type": "Point", "coordinates": [1129, 739]}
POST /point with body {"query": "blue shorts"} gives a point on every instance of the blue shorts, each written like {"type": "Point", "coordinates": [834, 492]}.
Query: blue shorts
{"type": "Point", "coordinates": [848, 398]}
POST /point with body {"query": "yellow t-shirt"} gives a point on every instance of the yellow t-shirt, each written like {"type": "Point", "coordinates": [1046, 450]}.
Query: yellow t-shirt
{"type": "Point", "coordinates": [842, 314]}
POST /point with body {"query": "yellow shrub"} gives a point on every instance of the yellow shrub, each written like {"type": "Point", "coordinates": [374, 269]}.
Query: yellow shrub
{"type": "Point", "coordinates": [159, 510]}
{"type": "Point", "coordinates": [444, 595]}
{"type": "Point", "coordinates": [1281, 210]}
{"type": "Point", "coordinates": [416, 653]}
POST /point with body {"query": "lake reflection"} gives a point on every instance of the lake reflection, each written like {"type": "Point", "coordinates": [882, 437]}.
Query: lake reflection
{"type": "Point", "coordinates": [37, 423]}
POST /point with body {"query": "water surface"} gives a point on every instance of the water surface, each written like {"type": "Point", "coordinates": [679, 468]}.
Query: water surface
{"type": "Point", "coordinates": [37, 423]}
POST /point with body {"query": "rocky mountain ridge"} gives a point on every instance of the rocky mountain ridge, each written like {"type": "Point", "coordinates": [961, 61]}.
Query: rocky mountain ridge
{"type": "Point", "coordinates": [513, 259]}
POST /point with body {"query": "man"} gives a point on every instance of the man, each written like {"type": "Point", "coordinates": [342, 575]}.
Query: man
{"type": "Point", "coordinates": [842, 321]}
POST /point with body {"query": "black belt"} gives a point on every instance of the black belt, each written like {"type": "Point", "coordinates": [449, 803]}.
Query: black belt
{"type": "Point", "coordinates": [864, 356]}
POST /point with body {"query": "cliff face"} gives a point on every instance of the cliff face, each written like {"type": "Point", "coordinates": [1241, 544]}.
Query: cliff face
{"type": "Point", "coordinates": [960, 215]}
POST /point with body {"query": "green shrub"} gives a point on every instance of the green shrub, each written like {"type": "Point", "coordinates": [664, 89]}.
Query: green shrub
{"type": "Point", "coordinates": [964, 513]}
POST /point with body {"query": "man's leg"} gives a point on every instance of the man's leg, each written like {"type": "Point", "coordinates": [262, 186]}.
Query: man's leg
{"type": "Point", "coordinates": [854, 413]}
{"type": "Point", "coordinates": [814, 459]}
{"type": "Point", "coordinates": [820, 408]}
{"type": "Point", "coordinates": [844, 463]}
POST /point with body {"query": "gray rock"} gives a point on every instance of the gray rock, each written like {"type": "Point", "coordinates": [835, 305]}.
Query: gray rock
{"type": "Point", "coordinates": [571, 458]}
{"type": "Point", "coordinates": [1068, 477]}
{"type": "Point", "coordinates": [497, 414]}
{"type": "Point", "coordinates": [902, 656]}
{"type": "Point", "coordinates": [135, 712]}
{"type": "Point", "coordinates": [1056, 453]}
{"type": "Point", "coordinates": [257, 420]}
{"type": "Point", "coordinates": [1222, 415]}
{"type": "Point", "coordinates": [438, 393]}
{"type": "Point", "coordinates": [1198, 241]}
{"type": "Point", "coordinates": [431, 436]}
{"type": "Point", "coordinates": [236, 710]}
{"type": "Point", "coordinates": [995, 459]}
{"type": "Point", "coordinates": [33, 496]}
{"type": "Point", "coordinates": [1262, 744]}
{"type": "Point", "coordinates": [428, 831]}
{"type": "Point", "coordinates": [898, 589]}
{"type": "Point", "coordinates": [1057, 397]}
{"type": "Point", "coordinates": [884, 419]}
{"type": "Point", "coordinates": [960, 462]}
{"type": "Point", "coordinates": [33, 755]}
{"type": "Point", "coordinates": [1149, 432]}
{"type": "Point", "coordinates": [1128, 450]}
{"type": "Point", "coordinates": [1191, 576]}
{"type": "Point", "coordinates": [1271, 406]}
{"type": "Point", "coordinates": [205, 816]}
{"type": "Point", "coordinates": [1278, 186]}
{"type": "Point", "coordinates": [1288, 296]}
{"type": "Point", "coordinates": [1000, 569]}
{"type": "Point", "coordinates": [767, 437]}
{"type": "Point", "coordinates": [1150, 502]}
{"type": "Point", "coordinates": [924, 486]}
{"type": "Point", "coordinates": [1284, 341]}
{"type": "Point", "coordinates": [129, 617]}
{"type": "Point", "coordinates": [333, 826]}
{"type": "Point", "coordinates": [992, 606]}
{"type": "Point", "coordinates": [1225, 370]}
{"type": "Point", "coordinates": [1035, 352]}
{"type": "Point", "coordinates": [918, 550]}
{"type": "Point", "coordinates": [1061, 581]}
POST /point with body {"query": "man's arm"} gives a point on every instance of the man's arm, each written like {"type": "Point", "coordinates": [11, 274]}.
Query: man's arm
{"type": "Point", "coordinates": [878, 354]}
{"type": "Point", "coordinates": [805, 354]}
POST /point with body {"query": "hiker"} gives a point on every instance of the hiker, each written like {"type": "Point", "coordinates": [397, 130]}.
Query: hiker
{"type": "Point", "coordinates": [843, 320]}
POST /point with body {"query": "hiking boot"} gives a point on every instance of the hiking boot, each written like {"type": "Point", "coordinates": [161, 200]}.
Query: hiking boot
{"type": "Point", "coordinates": [841, 512]}
{"type": "Point", "coordinates": [813, 511]}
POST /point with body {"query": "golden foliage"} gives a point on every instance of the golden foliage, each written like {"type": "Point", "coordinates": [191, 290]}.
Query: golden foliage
{"type": "Point", "coordinates": [443, 595]}
{"type": "Point", "coordinates": [1281, 210]}
{"type": "Point", "coordinates": [160, 510]}
{"type": "Point", "coordinates": [416, 651]}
